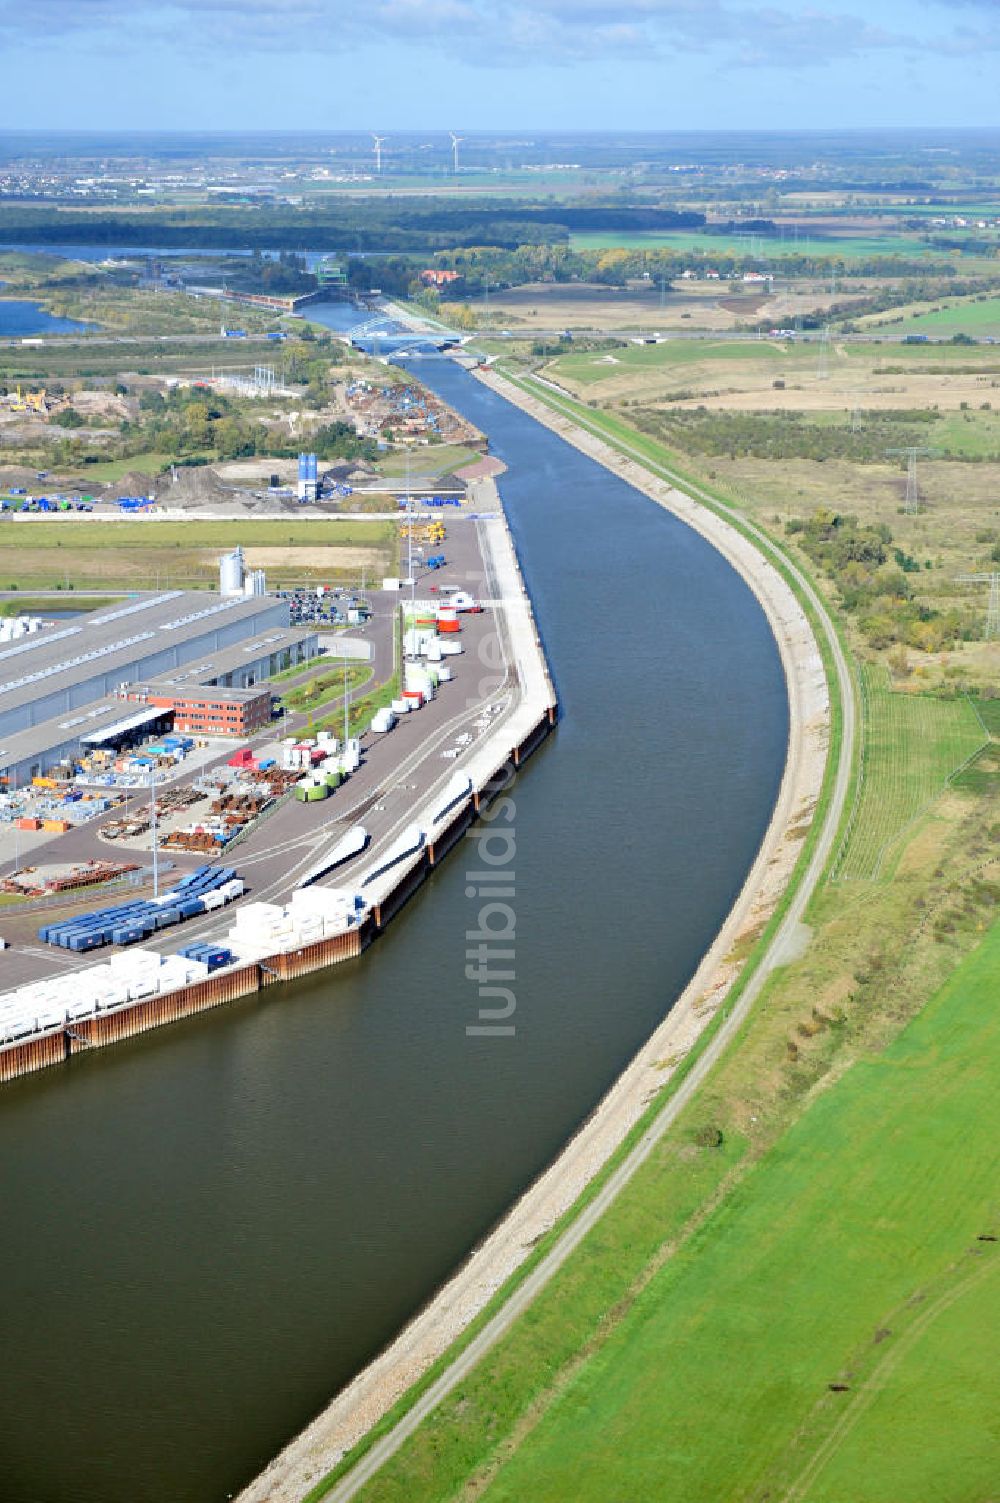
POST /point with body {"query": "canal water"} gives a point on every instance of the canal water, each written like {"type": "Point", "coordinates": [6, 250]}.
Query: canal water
{"type": "Point", "coordinates": [208, 1230]}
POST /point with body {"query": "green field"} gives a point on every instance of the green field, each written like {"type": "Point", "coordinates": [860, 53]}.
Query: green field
{"type": "Point", "coordinates": [84, 553]}
{"type": "Point", "coordinates": [150, 463]}
{"type": "Point", "coordinates": [592, 368]}
{"type": "Point", "coordinates": [846, 249]}
{"type": "Point", "coordinates": [432, 460]}
{"type": "Point", "coordinates": [152, 534]}
{"type": "Point", "coordinates": [968, 316]}
{"type": "Point", "coordinates": [968, 434]}
{"type": "Point", "coordinates": [912, 746]}
{"type": "Point", "coordinates": [850, 1255]}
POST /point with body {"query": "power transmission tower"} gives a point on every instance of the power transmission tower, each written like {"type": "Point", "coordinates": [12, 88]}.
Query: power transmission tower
{"type": "Point", "coordinates": [993, 608]}
{"type": "Point", "coordinates": [855, 415]}
{"type": "Point", "coordinates": [912, 451]}
{"type": "Point", "coordinates": [823, 359]}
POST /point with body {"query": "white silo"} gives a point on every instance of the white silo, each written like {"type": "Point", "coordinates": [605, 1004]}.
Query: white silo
{"type": "Point", "coordinates": [255, 583]}
{"type": "Point", "coordinates": [231, 572]}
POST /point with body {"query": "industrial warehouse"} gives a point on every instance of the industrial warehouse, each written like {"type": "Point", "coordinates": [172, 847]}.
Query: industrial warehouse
{"type": "Point", "coordinates": [119, 732]}
{"type": "Point", "coordinates": [77, 684]}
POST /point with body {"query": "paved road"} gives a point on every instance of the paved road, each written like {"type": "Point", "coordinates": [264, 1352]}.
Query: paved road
{"type": "Point", "coordinates": [589, 1217]}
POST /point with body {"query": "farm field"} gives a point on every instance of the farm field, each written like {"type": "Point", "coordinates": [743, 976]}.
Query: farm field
{"type": "Point", "coordinates": [183, 555]}
{"type": "Point", "coordinates": [848, 247]}
{"type": "Point", "coordinates": [968, 316]}
{"type": "Point", "coordinates": [731, 375]}
{"type": "Point", "coordinates": [594, 367]}
{"type": "Point", "coordinates": [686, 306]}
{"type": "Point", "coordinates": [912, 746]}
{"type": "Point", "coordinates": [717, 1383]}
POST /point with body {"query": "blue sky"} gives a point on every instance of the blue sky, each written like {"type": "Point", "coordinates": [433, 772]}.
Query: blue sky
{"type": "Point", "coordinates": [498, 64]}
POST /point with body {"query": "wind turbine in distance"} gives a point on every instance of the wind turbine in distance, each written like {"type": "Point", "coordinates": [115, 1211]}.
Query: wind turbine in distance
{"type": "Point", "coordinates": [379, 140]}
{"type": "Point", "coordinates": [454, 148]}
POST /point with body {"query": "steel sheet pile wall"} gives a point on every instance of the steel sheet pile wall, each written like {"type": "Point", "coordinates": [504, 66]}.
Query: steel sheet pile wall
{"type": "Point", "coordinates": [442, 842]}
{"type": "Point", "coordinates": [153, 1012]}
{"type": "Point", "coordinates": [24, 1059]}
{"type": "Point", "coordinates": [290, 965]}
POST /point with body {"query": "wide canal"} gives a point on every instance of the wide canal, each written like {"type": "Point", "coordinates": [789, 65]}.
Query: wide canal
{"type": "Point", "coordinates": [207, 1231]}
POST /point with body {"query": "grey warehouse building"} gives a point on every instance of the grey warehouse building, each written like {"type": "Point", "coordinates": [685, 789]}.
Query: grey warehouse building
{"type": "Point", "coordinates": [62, 682]}
{"type": "Point", "coordinates": [63, 667]}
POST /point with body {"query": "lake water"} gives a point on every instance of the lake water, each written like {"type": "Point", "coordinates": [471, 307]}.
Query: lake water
{"type": "Point", "coordinates": [20, 318]}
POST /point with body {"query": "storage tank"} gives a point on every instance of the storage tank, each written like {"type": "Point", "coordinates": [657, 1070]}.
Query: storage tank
{"type": "Point", "coordinates": [308, 475]}
{"type": "Point", "coordinates": [231, 572]}
{"type": "Point", "coordinates": [255, 583]}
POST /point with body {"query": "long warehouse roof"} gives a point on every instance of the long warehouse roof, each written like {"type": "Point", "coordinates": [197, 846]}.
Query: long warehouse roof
{"type": "Point", "coordinates": [99, 644]}
{"type": "Point", "coordinates": [119, 727]}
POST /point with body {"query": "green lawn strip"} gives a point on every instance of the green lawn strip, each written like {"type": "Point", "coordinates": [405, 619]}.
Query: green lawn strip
{"type": "Point", "coordinates": [433, 459]}
{"type": "Point", "coordinates": [814, 1270]}
{"type": "Point", "coordinates": [360, 711]}
{"type": "Point", "coordinates": [326, 684]}
{"type": "Point", "coordinates": [520, 1384]}
{"type": "Point", "coordinates": [40, 605]}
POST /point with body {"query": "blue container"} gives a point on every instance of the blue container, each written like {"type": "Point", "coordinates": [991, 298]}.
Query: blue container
{"type": "Point", "coordinates": [166, 917]}
{"type": "Point", "coordinates": [188, 907]}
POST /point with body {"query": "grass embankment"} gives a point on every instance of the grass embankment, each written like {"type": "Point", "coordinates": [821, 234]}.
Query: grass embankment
{"type": "Point", "coordinates": [871, 965]}
{"type": "Point", "coordinates": [151, 554]}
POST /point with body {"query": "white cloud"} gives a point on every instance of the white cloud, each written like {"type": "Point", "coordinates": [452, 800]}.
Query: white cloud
{"type": "Point", "coordinates": [742, 33]}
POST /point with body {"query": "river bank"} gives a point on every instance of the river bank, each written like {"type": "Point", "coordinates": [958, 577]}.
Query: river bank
{"type": "Point", "coordinates": [374, 1391]}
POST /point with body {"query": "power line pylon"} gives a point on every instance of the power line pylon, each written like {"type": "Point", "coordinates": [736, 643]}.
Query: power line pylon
{"type": "Point", "coordinates": [912, 451]}
{"type": "Point", "coordinates": [993, 608]}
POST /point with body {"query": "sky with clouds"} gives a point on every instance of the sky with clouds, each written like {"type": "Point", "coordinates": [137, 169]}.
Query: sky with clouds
{"type": "Point", "coordinates": [499, 64]}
